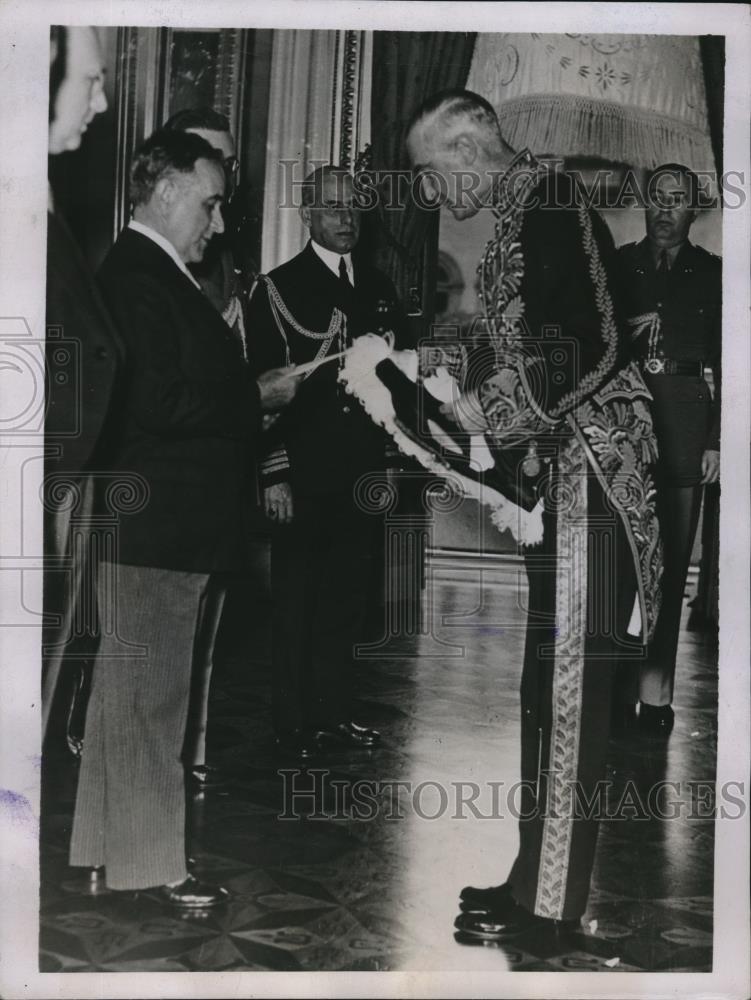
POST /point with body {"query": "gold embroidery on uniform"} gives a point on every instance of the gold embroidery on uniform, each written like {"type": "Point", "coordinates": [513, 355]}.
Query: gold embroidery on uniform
{"type": "Point", "coordinates": [571, 588]}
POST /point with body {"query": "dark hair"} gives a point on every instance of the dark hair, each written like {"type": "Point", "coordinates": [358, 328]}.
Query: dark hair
{"type": "Point", "coordinates": [312, 186]}
{"type": "Point", "coordinates": [457, 102]}
{"type": "Point", "coordinates": [164, 153]}
{"type": "Point", "coordinates": [671, 170]}
{"type": "Point", "coordinates": [59, 65]}
{"type": "Point", "coordinates": [203, 118]}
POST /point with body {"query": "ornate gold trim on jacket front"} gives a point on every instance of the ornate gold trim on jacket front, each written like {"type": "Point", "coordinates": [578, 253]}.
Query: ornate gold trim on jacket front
{"type": "Point", "coordinates": [607, 412]}
{"type": "Point", "coordinates": [505, 396]}
{"type": "Point", "coordinates": [615, 429]}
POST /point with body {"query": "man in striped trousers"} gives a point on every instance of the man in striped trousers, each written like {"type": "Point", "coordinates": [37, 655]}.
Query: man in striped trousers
{"type": "Point", "coordinates": [189, 415]}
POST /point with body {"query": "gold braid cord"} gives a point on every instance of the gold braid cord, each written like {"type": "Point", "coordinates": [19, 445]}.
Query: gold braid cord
{"type": "Point", "coordinates": [233, 317]}
{"type": "Point", "coordinates": [280, 312]}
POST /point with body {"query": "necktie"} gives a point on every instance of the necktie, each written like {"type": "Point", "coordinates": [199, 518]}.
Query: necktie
{"type": "Point", "coordinates": [343, 273]}
{"type": "Point", "coordinates": [662, 272]}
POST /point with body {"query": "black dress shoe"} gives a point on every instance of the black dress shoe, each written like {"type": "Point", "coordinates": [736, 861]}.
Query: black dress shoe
{"type": "Point", "coordinates": [298, 743]}
{"type": "Point", "coordinates": [192, 894]}
{"type": "Point", "coordinates": [490, 898]}
{"type": "Point", "coordinates": [350, 734]}
{"type": "Point", "coordinates": [623, 717]}
{"type": "Point", "coordinates": [506, 921]}
{"type": "Point", "coordinates": [656, 720]}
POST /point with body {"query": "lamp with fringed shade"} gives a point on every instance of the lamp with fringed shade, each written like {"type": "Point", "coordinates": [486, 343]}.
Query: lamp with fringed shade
{"type": "Point", "coordinates": [636, 99]}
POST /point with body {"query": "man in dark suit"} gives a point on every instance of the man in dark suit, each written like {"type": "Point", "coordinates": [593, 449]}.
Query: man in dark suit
{"type": "Point", "coordinates": [190, 415]}
{"type": "Point", "coordinates": [226, 285]}
{"type": "Point", "coordinates": [84, 355]}
{"type": "Point", "coordinates": [323, 542]}
{"type": "Point", "coordinates": [672, 294]}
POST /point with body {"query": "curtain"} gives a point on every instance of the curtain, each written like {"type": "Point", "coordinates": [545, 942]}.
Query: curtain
{"type": "Point", "coordinates": [300, 131]}
{"type": "Point", "coordinates": [705, 612]}
{"type": "Point", "coordinates": [408, 66]}
{"type": "Point", "coordinates": [712, 49]}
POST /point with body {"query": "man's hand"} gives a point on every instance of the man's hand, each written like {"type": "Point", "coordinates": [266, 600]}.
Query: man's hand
{"type": "Point", "coordinates": [710, 466]}
{"type": "Point", "coordinates": [277, 387]}
{"type": "Point", "coordinates": [277, 502]}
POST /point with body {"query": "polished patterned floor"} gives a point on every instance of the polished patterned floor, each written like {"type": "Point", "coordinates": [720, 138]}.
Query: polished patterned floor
{"type": "Point", "coordinates": [336, 866]}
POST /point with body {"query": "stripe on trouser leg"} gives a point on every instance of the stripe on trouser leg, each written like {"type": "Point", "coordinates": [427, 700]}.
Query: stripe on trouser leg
{"type": "Point", "coordinates": [568, 676]}
{"type": "Point", "coordinates": [130, 805]}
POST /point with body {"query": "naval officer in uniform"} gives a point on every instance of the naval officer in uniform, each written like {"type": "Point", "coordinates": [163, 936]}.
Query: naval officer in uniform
{"type": "Point", "coordinates": [323, 544]}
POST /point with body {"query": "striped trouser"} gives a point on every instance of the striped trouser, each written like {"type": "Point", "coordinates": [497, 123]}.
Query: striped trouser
{"type": "Point", "coordinates": [130, 806]}
{"type": "Point", "coordinates": [581, 594]}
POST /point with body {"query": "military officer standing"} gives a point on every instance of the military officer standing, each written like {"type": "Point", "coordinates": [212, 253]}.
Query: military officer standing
{"type": "Point", "coordinates": [673, 297]}
{"type": "Point", "coordinates": [323, 545]}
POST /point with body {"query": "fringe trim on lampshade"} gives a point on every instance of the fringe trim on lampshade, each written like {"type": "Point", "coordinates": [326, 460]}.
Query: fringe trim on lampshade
{"type": "Point", "coordinates": [568, 125]}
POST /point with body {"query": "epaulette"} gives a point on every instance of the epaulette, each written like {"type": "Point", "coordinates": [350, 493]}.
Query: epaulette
{"type": "Point", "coordinates": [708, 255]}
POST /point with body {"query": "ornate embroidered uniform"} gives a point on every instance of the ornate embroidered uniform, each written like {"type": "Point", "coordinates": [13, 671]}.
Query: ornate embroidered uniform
{"type": "Point", "coordinates": [570, 418]}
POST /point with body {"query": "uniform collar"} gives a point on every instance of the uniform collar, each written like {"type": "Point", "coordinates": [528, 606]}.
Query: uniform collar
{"type": "Point", "coordinates": [644, 253]}
{"type": "Point", "coordinates": [655, 253]}
{"type": "Point", "coordinates": [331, 259]}
{"type": "Point", "coordinates": [507, 190]}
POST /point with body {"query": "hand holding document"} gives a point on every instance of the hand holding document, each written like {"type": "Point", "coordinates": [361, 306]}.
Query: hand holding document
{"type": "Point", "coordinates": [277, 388]}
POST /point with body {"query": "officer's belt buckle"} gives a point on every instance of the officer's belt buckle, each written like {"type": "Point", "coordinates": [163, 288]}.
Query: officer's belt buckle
{"type": "Point", "coordinates": [655, 366]}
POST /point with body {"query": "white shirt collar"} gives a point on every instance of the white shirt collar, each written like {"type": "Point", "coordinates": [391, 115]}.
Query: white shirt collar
{"type": "Point", "coordinates": [164, 243]}
{"type": "Point", "coordinates": [331, 259]}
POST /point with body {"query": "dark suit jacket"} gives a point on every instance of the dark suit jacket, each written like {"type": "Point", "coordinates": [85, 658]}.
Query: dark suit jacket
{"type": "Point", "coordinates": [324, 441]}
{"type": "Point", "coordinates": [190, 415]}
{"type": "Point", "coordinates": [687, 421]}
{"type": "Point", "coordinates": [84, 352]}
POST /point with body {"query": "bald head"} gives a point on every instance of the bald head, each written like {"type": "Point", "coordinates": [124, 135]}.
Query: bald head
{"type": "Point", "coordinates": [320, 183]}
{"type": "Point", "coordinates": [454, 142]}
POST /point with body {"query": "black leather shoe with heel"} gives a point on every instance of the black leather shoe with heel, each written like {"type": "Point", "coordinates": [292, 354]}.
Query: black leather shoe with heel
{"type": "Point", "coordinates": [192, 894]}
{"type": "Point", "coordinates": [472, 898]}
{"type": "Point", "coordinates": [507, 920]}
